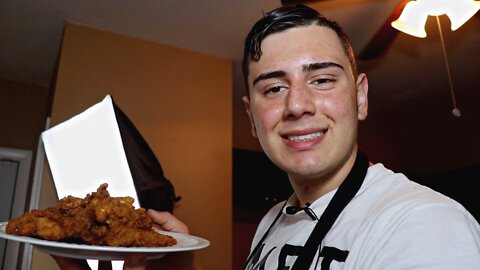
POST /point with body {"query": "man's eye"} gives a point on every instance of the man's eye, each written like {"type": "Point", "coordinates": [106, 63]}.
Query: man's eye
{"type": "Point", "coordinates": [275, 89]}
{"type": "Point", "coordinates": [322, 81]}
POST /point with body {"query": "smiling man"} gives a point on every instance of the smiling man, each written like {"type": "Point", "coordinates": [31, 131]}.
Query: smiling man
{"type": "Point", "coordinates": [305, 99]}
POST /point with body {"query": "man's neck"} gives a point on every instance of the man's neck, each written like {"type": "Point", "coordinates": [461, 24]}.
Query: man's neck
{"type": "Point", "coordinates": [309, 190]}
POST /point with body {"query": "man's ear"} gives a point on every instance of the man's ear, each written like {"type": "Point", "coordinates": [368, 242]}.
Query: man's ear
{"type": "Point", "coordinates": [248, 109]}
{"type": "Point", "coordinates": [362, 96]}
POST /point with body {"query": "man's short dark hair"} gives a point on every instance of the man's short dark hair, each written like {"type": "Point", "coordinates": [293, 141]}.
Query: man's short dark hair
{"type": "Point", "coordinates": [284, 18]}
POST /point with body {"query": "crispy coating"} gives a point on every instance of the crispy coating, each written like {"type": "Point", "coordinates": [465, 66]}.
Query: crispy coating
{"type": "Point", "coordinates": [98, 219]}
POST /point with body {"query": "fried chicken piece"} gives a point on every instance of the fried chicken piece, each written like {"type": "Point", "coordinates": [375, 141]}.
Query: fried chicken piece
{"type": "Point", "coordinates": [98, 219]}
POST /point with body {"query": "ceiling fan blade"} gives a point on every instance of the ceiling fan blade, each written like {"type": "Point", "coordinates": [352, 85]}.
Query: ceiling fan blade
{"type": "Point", "coordinates": [382, 40]}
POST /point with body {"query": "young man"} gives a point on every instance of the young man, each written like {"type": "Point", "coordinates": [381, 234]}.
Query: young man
{"type": "Point", "coordinates": [304, 101]}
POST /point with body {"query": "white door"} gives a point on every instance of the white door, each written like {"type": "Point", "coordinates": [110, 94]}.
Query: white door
{"type": "Point", "coordinates": [14, 174]}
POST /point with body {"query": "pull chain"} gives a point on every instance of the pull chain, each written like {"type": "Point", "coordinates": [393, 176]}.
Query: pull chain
{"type": "Point", "coordinates": [455, 111]}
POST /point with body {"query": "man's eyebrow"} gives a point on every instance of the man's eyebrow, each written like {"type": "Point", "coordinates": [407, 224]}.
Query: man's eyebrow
{"type": "Point", "coordinates": [306, 68]}
{"type": "Point", "coordinates": [321, 65]}
{"type": "Point", "coordinates": [268, 75]}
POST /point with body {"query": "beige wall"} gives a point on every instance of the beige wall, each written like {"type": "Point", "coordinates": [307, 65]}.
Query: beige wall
{"type": "Point", "coordinates": [180, 101]}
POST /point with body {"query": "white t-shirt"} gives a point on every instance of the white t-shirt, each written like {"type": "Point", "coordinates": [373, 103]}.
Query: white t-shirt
{"type": "Point", "coordinates": [391, 223]}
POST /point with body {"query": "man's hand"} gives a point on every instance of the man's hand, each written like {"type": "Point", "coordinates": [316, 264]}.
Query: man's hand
{"type": "Point", "coordinates": [167, 222]}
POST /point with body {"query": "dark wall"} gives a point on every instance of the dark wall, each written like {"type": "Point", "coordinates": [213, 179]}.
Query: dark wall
{"type": "Point", "coordinates": [257, 182]}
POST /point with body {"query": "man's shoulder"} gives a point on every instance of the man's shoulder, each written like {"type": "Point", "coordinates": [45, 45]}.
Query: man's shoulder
{"type": "Point", "coordinates": [394, 192]}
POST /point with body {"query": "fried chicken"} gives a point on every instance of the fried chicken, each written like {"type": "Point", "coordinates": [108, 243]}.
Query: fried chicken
{"type": "Point", "coordinates": [98, 219]}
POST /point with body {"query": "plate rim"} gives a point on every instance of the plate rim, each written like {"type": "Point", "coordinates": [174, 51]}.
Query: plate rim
{"type": "Point", "coordinates": [201, 243]}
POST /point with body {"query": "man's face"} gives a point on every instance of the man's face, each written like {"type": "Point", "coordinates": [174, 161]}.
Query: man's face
{"type": "Point", "coordinates": [304, 102]}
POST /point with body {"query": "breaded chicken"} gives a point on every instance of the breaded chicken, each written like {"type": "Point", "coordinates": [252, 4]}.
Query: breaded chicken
{"type": "Point", "coordinates": [98, 219]}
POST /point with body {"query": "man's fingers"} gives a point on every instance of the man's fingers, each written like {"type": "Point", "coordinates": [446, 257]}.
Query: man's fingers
{"type": "Point", "coordinates": [168, 222]}
{"type": "Point", "coordinates": [135, 262]}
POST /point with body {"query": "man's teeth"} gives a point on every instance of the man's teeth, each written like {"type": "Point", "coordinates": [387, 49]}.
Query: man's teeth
{"type": "Point", "coordinates": [305, 137]}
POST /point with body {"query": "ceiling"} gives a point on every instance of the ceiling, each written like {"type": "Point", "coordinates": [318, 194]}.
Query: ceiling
{"type": "Point", "coordinates": [410, 101]}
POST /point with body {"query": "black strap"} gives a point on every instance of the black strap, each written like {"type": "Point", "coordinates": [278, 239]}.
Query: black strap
{"type": "Point", "coordinates": [346, 191]}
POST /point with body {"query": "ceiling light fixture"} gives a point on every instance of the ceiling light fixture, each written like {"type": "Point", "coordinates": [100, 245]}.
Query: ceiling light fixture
{"type": "Point", "coordinates": [414, 16]}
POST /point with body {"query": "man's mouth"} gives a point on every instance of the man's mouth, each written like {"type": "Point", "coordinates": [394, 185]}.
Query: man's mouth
{"type": "Point", "coordinates": [306, 137]}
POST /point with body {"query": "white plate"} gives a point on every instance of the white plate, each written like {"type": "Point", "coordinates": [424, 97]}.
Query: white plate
{"type": "Point", "coordinates": [106, 253]}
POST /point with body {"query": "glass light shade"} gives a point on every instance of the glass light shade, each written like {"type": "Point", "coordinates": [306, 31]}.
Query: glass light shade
{"type": "Point", "coordinates": [460, 11]}
{"type": "Point", "coordinates": [414, 16]}
{"type": "Point", "coordinates": [412, 20]}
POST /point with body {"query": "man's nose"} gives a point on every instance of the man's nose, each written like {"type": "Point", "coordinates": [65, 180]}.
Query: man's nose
{"type": "Point", "coordinates": [299, 101]}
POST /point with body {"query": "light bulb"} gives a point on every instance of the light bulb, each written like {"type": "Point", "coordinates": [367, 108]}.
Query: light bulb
{"type": "Point", "coordinates": [456, 112]}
